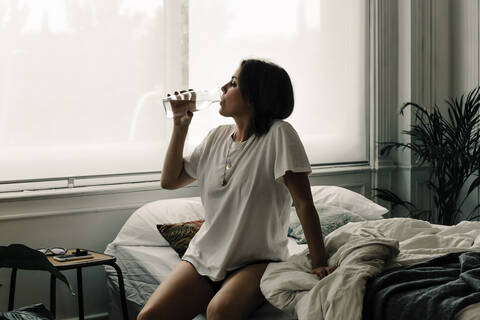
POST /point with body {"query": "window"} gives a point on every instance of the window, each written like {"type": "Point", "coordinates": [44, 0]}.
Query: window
{"type": "Point", "coordinates": [81, 81]}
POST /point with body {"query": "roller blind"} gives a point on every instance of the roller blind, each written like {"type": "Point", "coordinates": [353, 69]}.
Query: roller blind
{"type": "Point", "coordinates": [81, 83]}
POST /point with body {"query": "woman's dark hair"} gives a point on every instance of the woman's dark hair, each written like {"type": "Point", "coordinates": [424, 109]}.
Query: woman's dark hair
{"type": "Point", "coordinates": [268, 89]}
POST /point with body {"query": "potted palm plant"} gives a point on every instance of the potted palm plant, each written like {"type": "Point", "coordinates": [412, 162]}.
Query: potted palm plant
{"type": "Point", "coordinates": [449, 143]}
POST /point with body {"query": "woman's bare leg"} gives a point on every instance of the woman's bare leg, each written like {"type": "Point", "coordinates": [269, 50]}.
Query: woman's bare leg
{"type": "Point", "coordinates": [239, 295]}
{"type": "Point", "coordinates": [182, 295]}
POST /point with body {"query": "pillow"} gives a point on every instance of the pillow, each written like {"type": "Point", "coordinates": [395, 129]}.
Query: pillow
{"type": "Point", "coordinates": [179, 235]}
{"type": "Point", "coordinates": [331, 218]}
{"type": "Point", "coordinates": [349, 200]}
{"type": "Point", "coordinates": [140, 230]}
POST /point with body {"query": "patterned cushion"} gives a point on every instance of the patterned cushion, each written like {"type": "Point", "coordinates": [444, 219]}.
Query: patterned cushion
{"type": "Point", "coordinates": [178, 235]}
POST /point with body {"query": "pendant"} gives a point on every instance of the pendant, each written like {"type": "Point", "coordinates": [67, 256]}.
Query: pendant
{"type": "Point", "coordinates": [228, 166]}
{"type": "Point", "coordinates": [224, 182]}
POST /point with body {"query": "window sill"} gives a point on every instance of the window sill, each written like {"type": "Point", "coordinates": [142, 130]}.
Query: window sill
{"type": "Point", "coordinates": [127, 197]}
{"type": "Point", "coordinates": [80, 191]}
{"type": "Point", "coordinates": [317, 171]}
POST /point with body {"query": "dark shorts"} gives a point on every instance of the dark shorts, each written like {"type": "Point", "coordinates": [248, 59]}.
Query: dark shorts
{"type": "Point", "coordinates": [217, 285]}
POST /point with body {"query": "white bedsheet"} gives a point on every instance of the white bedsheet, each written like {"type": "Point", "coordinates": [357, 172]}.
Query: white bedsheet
{"type": "Point", "coordinates": [361, 250]}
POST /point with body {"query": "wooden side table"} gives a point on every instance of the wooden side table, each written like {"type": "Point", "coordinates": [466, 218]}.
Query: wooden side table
{"type": "Point", "coordinates": [97, 260]}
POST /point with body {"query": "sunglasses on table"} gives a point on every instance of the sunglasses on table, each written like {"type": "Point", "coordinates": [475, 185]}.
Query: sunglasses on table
{"type": "Point", "coordinates": [53, 251]}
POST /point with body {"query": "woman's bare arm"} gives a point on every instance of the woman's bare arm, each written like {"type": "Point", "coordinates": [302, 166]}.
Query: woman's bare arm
{"type": "Point", "coordinates": [299, 187]}
{"type": "Point", "coordinates": [173, 172]}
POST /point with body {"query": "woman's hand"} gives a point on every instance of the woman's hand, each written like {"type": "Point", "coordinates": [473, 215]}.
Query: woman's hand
{"type": "Point", "coordinates": [322, 272]}
{"type": "Point", "coordinates": [182, 108]}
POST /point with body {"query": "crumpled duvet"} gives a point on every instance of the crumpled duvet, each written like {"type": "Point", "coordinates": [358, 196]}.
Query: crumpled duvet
{"type": "Point", "coordinates": [360, 250]}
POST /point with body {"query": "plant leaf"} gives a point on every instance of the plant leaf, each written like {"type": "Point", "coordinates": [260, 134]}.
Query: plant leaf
{"type": "Point", "coordinates": [419, 214]}
{"type": "Point", "coordinates": [391, 197]}
{"type": "Point", "coordinates": [450, 143]}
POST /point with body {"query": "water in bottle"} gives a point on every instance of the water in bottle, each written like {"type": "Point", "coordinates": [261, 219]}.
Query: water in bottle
{"type": "Point", "coordinates": [199, 100]}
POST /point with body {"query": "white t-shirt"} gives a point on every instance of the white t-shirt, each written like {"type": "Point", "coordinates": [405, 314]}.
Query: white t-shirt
{"type": "Point", "coordinates": [246, 220]}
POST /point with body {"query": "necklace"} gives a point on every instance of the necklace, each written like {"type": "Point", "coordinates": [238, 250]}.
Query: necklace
{"type": "Point", "coordinates": [228, 161]}
{"type": "Point", "coordinates": [228, 164]}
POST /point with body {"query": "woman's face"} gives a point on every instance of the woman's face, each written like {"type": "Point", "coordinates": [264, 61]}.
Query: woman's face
{"type": "Point", "coordinates": [232, 102]}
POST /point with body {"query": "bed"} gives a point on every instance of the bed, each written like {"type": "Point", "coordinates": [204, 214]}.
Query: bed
{"type": "Point", "coordinates": [354, 227]}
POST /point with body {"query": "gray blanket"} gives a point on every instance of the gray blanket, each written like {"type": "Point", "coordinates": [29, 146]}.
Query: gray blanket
{"type": "Point", "coordinates": [435, 289]}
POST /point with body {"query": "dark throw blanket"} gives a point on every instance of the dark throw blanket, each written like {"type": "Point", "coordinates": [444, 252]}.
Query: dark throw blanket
{"type": "Point", "coordinates": [436, 289]}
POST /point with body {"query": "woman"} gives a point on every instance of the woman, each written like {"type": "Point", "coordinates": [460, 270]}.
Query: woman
{"type": "Point", "coordinates": [246, 173]}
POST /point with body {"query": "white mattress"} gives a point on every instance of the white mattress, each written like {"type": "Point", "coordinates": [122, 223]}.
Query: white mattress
{"type": "Point", "coordinates": [147, 266]}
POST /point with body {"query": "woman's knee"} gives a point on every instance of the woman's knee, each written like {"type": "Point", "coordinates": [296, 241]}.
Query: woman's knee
{"type": "Point", "coordinates": [151, 314]}
{"type": "Point", "coordinates": [223, 308]}
{"type": "Point", "coordinates": [145, 315]}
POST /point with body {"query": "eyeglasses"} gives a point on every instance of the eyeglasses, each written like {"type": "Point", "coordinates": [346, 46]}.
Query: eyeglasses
{"type": "Point", "coordinates": [53, 251]}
